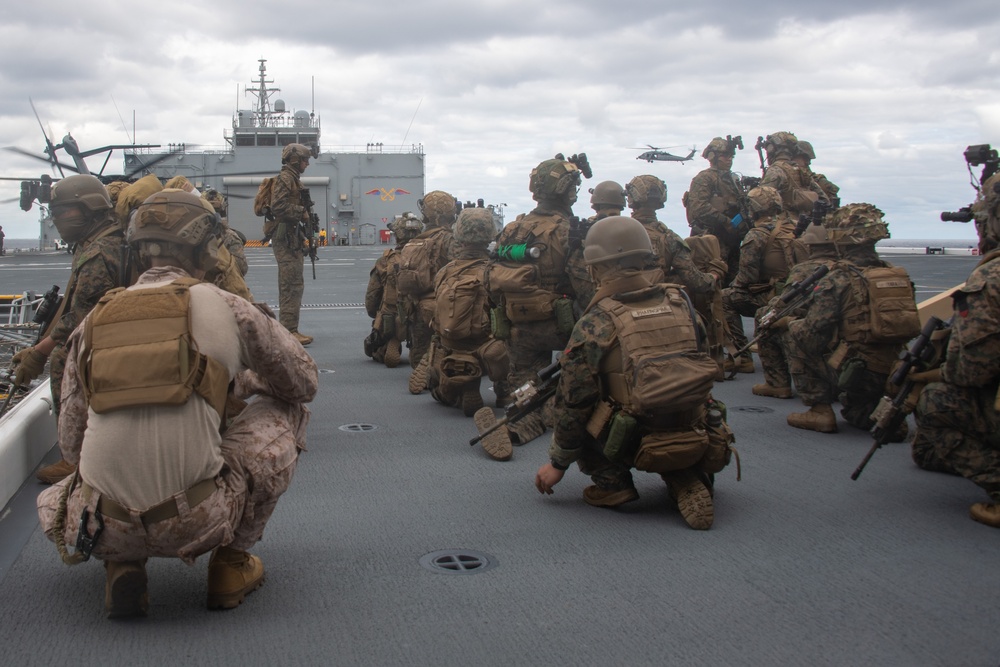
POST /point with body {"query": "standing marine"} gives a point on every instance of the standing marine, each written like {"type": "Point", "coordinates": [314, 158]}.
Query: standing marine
{"type": "Point", "coordinates": [196, 479]}
{"type": "Point", "coordinates": [958, 417]}
{"type": "Point", "coordinates": [82, 213]}
{"type": "Point", "coordinates": [635, 385]}
{"type": "Point", "coordinates": [861, 315]}
{"type": "Point", "coordinates": [713, 202]}
{"type": "Point", "coordinates": [796, 186]}
{"type": "Point", "coordinates": [803, 157]}
{"type": "Point", "coordinates": [292, 219]}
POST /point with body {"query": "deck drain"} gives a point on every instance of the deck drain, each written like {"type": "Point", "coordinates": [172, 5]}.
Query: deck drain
{"type": "Point", "coordinates": [458, 561]}
{"type": "Point", "coordinates": [357, 428]}
{"type": "Point", "coordinates": [753, 408]}
{"type": "Point", "coordinates": [327, 370]}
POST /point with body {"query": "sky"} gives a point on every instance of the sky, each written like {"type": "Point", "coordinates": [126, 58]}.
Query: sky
{"type": "Point", "coordinates": [889, 93]}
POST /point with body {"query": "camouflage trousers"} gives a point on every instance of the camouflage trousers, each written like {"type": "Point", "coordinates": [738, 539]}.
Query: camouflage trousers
{"type": "Point", "coordinates": [57, 365]}
{"type": "Point", "coordinates": [604, 472]}
{"type": "Point", "coordinates": [420, 329]}
{"type": "Point", "coordinates": [530, 348]}
{"type": "Point", "coordinates": [738, 303]}
{"type": "Point", "coordinates": [260, 449]}
{"type": "Point", "coordinates": [773, 353]}
{"type": "Point", "coordinates": [958, 432]}
{"type": "Point", "coordinates": [291, 284]}
{"type": "Point", "coordinates": [816, 382]}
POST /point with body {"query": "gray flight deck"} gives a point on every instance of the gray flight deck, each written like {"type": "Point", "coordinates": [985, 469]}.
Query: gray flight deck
{"type": "Point", "coordinates": [802, 567]}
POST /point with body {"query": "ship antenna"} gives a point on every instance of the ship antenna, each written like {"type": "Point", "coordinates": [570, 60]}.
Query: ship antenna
{"type": "Point", "coordinates": [411, 123]}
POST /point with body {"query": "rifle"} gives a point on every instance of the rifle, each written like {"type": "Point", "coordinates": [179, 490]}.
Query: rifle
{"type": "Point", "coordinates": [791, 298]}
{"type": "Point", "coordinates": [819, 211]}
{"type": "Point", "coordinates": [313, 229]}
{"type": "Point", "coordinates": [43, 317]}
{"type": "Point", "coordinates": [527, 398]}
{"type": "Point", "coordinates": [744, 184]}
{"type": "Point", "coordinates": [891, 412]}
{"type": "Point", "coordinates": [759, 146]}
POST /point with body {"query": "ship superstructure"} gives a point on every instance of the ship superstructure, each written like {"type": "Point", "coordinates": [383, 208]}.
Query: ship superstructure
{"type": "Point", "coordinates": [356, 192]}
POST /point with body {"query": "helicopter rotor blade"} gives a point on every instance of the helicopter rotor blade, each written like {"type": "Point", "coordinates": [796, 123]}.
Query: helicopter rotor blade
{"type": "Point", "coordinates": [49, 146]}
{"type": "Point", "coordinates": [55, 163]}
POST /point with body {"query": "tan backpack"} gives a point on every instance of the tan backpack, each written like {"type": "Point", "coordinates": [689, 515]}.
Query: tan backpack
{"type": "Point", "coordinates": [262, 205]}
{"type": "Point", "coordinates": [460, 303]}
{"type": "Point", "coordinates": [419, 261]}
{"type": "Point", "coordinates": [883, 309]}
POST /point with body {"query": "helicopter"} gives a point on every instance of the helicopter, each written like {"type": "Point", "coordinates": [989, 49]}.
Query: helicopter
{"type": "Point", "coordinates": [660, 155]}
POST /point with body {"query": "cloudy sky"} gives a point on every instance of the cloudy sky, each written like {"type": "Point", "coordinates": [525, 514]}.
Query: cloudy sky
{"type": "Point", "coordinates": [889, 92]}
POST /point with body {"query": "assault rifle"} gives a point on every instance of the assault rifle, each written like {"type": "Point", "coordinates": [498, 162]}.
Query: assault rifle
{"type": "Point", "coordinates": [793, 297]}
{"type": "Point", "coordinates": [313, 227]}
{"type": "Point", "coordinates": [43, 317]}
{"type": "Point", "coordinates": [759, 147]}
{"type": "Point", "coordinates": [891, 411]}
{"type": "Point", "coordinates": [527, 398]}
{"type": "Point", "coordinates": [744, 184]}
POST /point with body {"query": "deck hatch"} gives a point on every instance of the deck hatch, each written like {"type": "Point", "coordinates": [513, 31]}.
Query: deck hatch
{"type": "Point", "coordinates": [358, 428]}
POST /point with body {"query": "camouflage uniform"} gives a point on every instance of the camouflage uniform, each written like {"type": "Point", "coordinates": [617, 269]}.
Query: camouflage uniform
{"type": "Point", "coordinates": [796, 186]}
{"type": "Point", "coordinates": [813, 338]}
{"type": "Point", "coordinates": [712, 201]}
{"type": "Point", "coordinates": [286, 242]}
{"type": "Point", "coordinates": [382, 300]}
{"type": "Point", "coordinates": [766, 255]}
{"type": "Point", "coordinates": [259, 449]}
{"type": "Point", "coordinates": [436, 240]}
{"type": "Point", "coordinates": [958, 424]}
{"type": "Point", "coordinates": [235, 243]}
{"type": "Point", "coordinates": [97, 268]}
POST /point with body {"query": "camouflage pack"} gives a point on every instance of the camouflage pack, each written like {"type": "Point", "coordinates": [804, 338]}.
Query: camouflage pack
{"type": "Point", "coordinates": [262, 205]}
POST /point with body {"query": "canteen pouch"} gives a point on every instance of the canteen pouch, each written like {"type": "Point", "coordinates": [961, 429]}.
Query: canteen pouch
{"type": "Point", "coordinates": [854, 376]}
{"type": "Point", "coordinates": [664, 451]}
{"type": "Point", "coordinates": [719, 451]}
{"type": "Point", "coordinates": [499, 323]}
{"type": "Point", "coordinates": [529, 306]}
{"type": "Point", "coordinates": [389, 325]}
{"type": "Point", "coordinates": [563, 309]}
{"type": "Point", "coordinates": [621, 441]}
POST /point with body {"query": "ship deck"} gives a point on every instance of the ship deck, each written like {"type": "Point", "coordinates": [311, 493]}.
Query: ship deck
{"type": "Point", "coordinates": [802, 566]}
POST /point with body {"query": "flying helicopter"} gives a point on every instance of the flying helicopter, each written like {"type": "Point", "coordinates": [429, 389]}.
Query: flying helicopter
{"type": "Point", "coordinates": [661, 155]}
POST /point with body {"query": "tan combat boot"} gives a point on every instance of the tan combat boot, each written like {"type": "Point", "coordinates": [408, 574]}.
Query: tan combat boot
{"type": "Point", "coordinates": [393, 353]}
{"type": "Point", "coordinates": [56, 472]}
{"type": "Point", "coordinates": [302, 338]}
{"type": "Point", "coordinates": [818, 418]}
{"type": "Point", "coordinates": [771, 391]}
{"type": "Point", "coordinates": [497, 444]}
{"type": "Point", "coordinates": [694, 499]}
{"type": "Point", "coordinates": [988, 513]}
{"type": "Point", "coordinates": [598, 497]}
{"type": "Point", "coordinates": [232, 575]}
{"type": "Point", "coordinates": [125, 592]}
{"type": "Point", "coordinates": [740, 365]}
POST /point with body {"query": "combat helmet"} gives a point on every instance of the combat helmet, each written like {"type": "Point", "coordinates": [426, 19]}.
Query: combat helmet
{"type": "Point", "coordinates": [718, 146]}
{"type": "Point", "coordinates": [475, 227]}
{"type": "Point", "coordinates": [439, 207]}
{"type": "Point", "coordinates": [554, 179]}
{"type": "Point", "coordinates": [815, 235]}
{"type": "Point", "coordinates": [805, 149]}
{"type": "Point", "coordinates": [86, 193]}
{"type": "Point", "coordinates": [781, 143]}
{"type": "Point", "coordinates": [295, 151]}
{"type": "Point", "coordinates": [764, 201]}
{"type": "Point", "coordinates": [616, 237]}
{"type": "Point", "coordinates": [607, 194]}
{"type": "Point", "coordinates": [406, 227]}
{"type": "Point", "coordinates": [646, 191]}
{"type": "Point", "coordinates": [986, 211]}
{"type": "Point", "coordinates": [855, 224]}
{"type": "Point", "coordinates": [114, 189]}
{"type": "Point", "coordinates": [171, 221]}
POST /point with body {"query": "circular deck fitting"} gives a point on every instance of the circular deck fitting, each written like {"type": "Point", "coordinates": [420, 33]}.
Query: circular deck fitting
{"type": "Point", "coordinates": [753, 408]}
{"type": "Point", "coordinates": [327, 370]}
{"type": "Point", "coordinates": [357, 428]}
{"type": "Point", "coordinates": [458, 561]}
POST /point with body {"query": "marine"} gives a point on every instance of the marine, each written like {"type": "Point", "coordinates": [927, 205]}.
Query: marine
{"type": "Point", "coordinates": [389, 328]}
{"type": "Point", "coordinates": [609, 418]}
{"type": "Point", "coordinates": [958, 416]}
{"type": "Point", "coordinates": [855, 327]}
{"type": "Point", "coordinates": [712, 203]}
{"type": "Point", "coordinates": [198, 479]}
{"type": "Point", "coordinates": [292, 220]}
{"type": "Point", "coordinates": [82, 213]}
{"type": "Point", "coordinates": [796, 186]}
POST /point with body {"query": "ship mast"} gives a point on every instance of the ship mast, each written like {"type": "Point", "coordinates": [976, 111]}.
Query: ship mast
{"type": "Point", "coordinates": [265, 115]}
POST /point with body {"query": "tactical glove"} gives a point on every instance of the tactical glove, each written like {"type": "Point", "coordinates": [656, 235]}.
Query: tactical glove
{"type": "Point", "coordinates": [28, 365]}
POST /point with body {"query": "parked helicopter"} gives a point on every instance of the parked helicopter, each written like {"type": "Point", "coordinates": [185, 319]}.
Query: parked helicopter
{"type": "Point", "coordinates": [660, 155]}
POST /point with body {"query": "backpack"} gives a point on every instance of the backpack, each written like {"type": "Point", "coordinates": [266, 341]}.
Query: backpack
{"type": "Point", "coordinates": [663, 368]}
{"type": "Point", "coordinates": [884, 310]}
{"type": "Point", "coordinates": [262, 204]}
{"type": "Point", "coordinates": [419, 262]}
{"type": "Point", "coordinates": [460, 304]}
